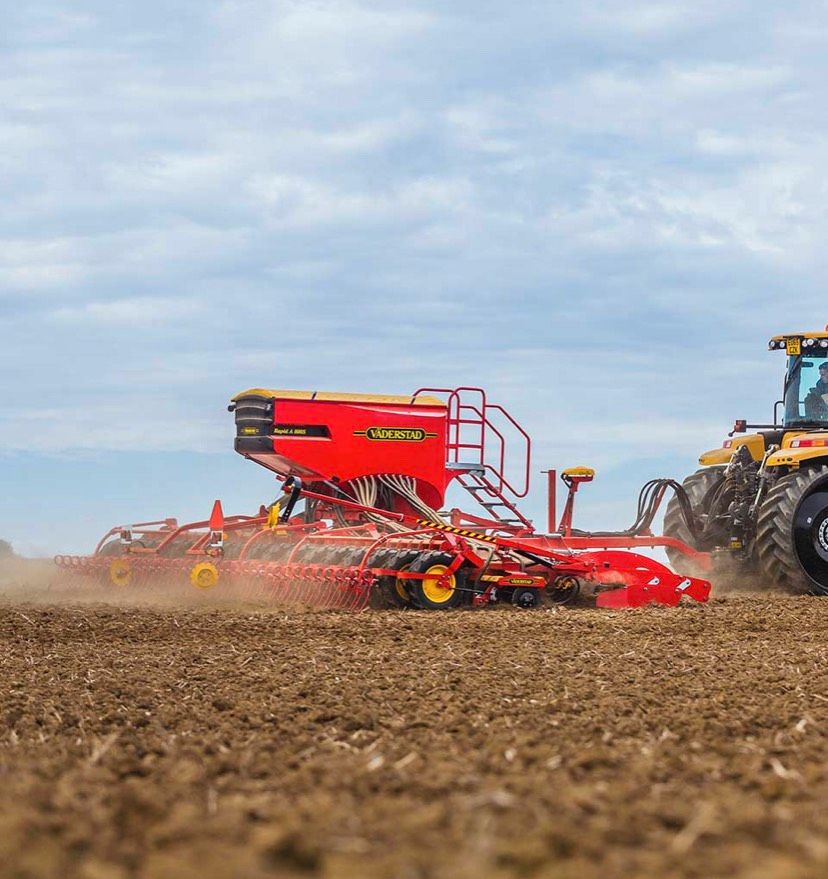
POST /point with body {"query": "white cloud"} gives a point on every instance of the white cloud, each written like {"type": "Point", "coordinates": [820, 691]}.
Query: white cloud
{"type": "Point", "coordinates": [35, 265]}
{"type": "Point", "coordinates": [300, 202]}
{"type": "Point", "coordinates": [129, 313]}
{"type": "Point", "coordinates": [123, 426]}
{"type": "Point", "coordinates": [176, 174]}
{"type": "Point", "coordinates": [375, 134]}
{"type": "Point", "coordinates": [654, 19]}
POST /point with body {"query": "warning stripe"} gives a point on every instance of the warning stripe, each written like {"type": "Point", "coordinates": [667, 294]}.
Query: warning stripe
{"type": "Point", "coordinates": [450, 529]}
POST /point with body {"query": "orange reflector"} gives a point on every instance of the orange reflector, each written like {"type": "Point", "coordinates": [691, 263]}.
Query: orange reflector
{"type": "Point", "coordinates": [216, 522]}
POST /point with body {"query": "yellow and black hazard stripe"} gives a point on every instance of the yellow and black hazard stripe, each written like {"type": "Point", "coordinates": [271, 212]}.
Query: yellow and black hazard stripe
{"type": "Point", "coordinates": [450, 529]}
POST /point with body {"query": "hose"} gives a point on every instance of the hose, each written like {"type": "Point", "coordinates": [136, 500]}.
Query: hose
{"type": "Point", "coordinates": [649, 500]}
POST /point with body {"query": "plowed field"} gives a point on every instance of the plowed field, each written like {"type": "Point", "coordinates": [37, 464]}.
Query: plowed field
{"type": "Point", "coordinates": [161, 742]}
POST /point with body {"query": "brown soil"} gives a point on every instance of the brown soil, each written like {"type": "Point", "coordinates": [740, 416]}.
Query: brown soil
{"type": "Point", "coordinates": [161, 742]}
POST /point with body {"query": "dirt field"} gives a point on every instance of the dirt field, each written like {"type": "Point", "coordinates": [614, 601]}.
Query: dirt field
{"type": "Point", "coordinates": [162, 742]}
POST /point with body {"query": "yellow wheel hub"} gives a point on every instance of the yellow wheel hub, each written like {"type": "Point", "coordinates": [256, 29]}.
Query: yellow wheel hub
{"type": "Point", "coordinates": [120, 572]}
{"type": "Point", "coordinates": [204, 575]}
{"type": "Point", "coordinates": [433, 590]}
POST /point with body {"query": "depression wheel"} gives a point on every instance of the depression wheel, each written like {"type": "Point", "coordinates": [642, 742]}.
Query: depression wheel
{"type": "Point", "coordinates": [204, 575]}
{"type": "Point", "coordinates": [792, 532]}
{"type": "Point", "coordinates": [120, 572]}
{"type": "Point", "coordinates": [438, 590]}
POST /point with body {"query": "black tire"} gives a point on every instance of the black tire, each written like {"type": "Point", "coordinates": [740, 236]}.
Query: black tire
{"type": "Point", "coordinates": [525, 598]}
{"type": "Point", "coordinates": [178, 546]}
{"type": "Point", "coordinates": [423, 592]}
{"type": "Point", "coordinates": [380, 558]}
{"type": "Point", "coordinates": [270, 548]}
{"type": "Point", "coordinates": [792, 532]}
{"type": "Point", "coordinates": [699, 487]}
{"type": "Point", "coordinates": [395, 592]}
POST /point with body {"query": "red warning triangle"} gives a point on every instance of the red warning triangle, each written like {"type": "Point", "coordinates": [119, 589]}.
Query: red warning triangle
{"type": "Point", "coordinates": [216, 522]}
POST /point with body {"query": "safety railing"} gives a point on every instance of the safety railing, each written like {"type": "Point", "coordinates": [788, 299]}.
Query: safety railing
{"type": "Point", "coordinates": [471, 431]}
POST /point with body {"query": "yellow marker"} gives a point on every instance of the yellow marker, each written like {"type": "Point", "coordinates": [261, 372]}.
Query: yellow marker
{"type": "Point", "coordinates": [273, 516]}
{"type": "Point", "coordinates": [585, 473]}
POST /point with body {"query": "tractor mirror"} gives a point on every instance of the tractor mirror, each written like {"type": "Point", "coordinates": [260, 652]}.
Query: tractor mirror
{"type": "Point", "coordinates": [740, 426]}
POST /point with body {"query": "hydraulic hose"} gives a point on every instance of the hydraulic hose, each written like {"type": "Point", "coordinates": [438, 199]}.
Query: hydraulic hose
{"type": "Point", "coordinates": [649, 500]}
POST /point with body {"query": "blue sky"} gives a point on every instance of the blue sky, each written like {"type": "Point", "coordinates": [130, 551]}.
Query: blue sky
{"type": "Point", "coordinates": [600, 211]}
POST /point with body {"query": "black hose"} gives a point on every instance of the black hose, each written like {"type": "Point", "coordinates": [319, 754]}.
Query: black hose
{"type": "Point", "coordinates": [649, 500]}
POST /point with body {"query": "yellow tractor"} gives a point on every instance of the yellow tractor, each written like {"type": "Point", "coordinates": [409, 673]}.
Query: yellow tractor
{"type": "Point", "coordinates": [760, 503]}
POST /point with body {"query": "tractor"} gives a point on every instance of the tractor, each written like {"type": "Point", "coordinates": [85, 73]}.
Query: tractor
{"type": "Point", "coordinates": [760, 502]}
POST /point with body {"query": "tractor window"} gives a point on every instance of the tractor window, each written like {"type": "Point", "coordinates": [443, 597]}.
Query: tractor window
{"type": "Point", "coordinates": [806, 392]}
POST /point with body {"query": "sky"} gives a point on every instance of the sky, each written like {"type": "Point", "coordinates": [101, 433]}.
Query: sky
{"type": "Point", "coordinates": [598, 211]}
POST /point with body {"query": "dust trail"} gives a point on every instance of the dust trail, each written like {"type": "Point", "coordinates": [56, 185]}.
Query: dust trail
{"type": "Point", "coordinates": [731, 578]}
{"type": "Point", "coordinates": [41, 582]}
{"type": "Point", "coordinates": [22, 578]}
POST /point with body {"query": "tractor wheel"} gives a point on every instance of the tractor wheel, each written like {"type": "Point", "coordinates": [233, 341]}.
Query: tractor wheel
{"type": "Point", "coordinates": [428, 593]}
{"type": "Point", "coordinates": [120, 573]}
{"type": "Point", "coordinates": [699, 487]}
{"type": "Point", "coordinates": [792, 532]}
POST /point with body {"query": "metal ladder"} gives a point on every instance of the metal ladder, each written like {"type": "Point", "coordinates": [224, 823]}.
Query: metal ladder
{"type": "Point", "coordinates": [498, 506]}
{"type": "Point", "coordinates": [477, 452]}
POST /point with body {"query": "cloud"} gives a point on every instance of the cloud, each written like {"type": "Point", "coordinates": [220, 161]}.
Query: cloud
{"type": "Point", "coordinates": [650, 20]}
{"type": "Point", "coordinates": [128, 313]}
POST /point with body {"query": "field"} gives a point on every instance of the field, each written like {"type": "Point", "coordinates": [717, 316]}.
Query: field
{"type": "Point", "coordinates": [245, 741]}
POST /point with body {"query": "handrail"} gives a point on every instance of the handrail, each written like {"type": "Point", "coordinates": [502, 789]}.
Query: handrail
{"type": "Point", "coordinates": [528, 441]}
{"type": "Point", "coordinates": [456, 407]}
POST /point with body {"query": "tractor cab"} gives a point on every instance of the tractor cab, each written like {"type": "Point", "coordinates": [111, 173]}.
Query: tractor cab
{"type": "Point", "coordinates": [790, 440]}
{"type": "Point", "coordinates": [805, 397]}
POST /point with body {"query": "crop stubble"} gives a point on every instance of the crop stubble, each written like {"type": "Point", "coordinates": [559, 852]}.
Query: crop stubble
{"type": "Point", "coordinates": [158, 742]}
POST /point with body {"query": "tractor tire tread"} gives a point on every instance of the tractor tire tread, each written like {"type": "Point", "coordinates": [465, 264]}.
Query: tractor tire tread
{"type": "Point", "coordinates": [697, 485]}
{"type": "Point", "coordinates": [774, 531]}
